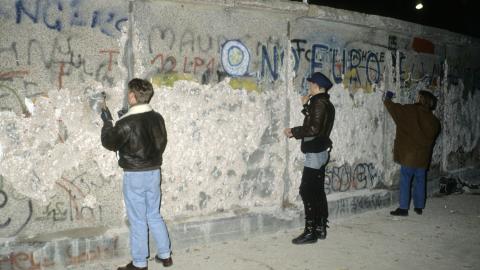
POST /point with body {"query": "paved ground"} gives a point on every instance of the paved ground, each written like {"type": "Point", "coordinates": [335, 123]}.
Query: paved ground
{"type": "Point", "coordinates": [446, 236]}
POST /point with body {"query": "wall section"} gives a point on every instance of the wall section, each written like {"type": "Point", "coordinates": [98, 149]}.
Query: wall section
{"type": "Point", "coordinates": [228, 77]}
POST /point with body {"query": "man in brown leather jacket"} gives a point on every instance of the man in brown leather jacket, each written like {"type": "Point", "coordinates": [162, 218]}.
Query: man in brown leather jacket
{"type": "Point", "coordinates": [140, 138]}
{"type": "Point", "coordinates": [316, 144]}
{"type": "Point", "coordinates": [416, 131]}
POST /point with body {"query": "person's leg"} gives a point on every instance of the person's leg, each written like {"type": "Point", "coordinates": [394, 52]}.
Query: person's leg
{"type": "Point", "coordinates": [419, 188]}
{"type": "Point", "coordinates": [321, 206]}
{"type": "Point", "coordinates": [155, 221]}
{"type": "Point", "coordinates": [406, 175]}
{"type": "Point", "coordinates": [315, 184]}
{"type": "Point", "coordinates": [134, 195]}
{"type": "Point", "coordinates": [306, 192]}
{"type": "Point", "coordinates": [322, 196]}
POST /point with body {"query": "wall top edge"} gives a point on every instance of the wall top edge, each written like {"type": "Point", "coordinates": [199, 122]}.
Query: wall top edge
{"type": "Point", "coordinates": [283, 5]}
{"type": "Point", "coordinates": [389, 24]}
{"type": "Point", "coordinates": [304, 11]}
{"type": "Point", "coordinates": [274, 5]}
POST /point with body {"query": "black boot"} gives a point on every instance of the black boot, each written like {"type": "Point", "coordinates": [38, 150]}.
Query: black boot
{"type": "Point", "coordinates": [321, 228]}
{"type": "Point", "coordinates": [308, 236]}
{"type": "Point", "coordinates": [399, 212]}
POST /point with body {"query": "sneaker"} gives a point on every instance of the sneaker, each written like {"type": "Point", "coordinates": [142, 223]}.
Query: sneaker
{"type": "Point", "coordinates": [418, 210]}
{"type": "Point", "coordinates": [399, 212]}
{"type": "Point", "coordinates": [165, 262]}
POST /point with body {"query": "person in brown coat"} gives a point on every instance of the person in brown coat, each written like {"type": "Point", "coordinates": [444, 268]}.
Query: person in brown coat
{"type": "Point", "coordinates": [416, 131]}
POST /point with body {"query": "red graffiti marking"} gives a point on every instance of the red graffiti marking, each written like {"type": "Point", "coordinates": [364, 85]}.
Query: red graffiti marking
{"type": "Point", "coordinates": [338, 66]}
{"type": "Point", "coordinates": [164, 62]}
{"type": "Point", "coordinates": [156, 57]}
{"type": "Point", "coordinates": [100, 251]}
{"type": "Point", "coordinates": [197, 62]}
{"type": "Point", "coordinates": [29, 261]}
{"type": "Point", "coordinates": [423, 46]}
{"type": "Point", "coordinates": [24, 261]}
{"type": "Point", "coordinates": [188, 65]}
{"type": "Point", "coordinates": [211, 64]}
{"type": "Point", "coordinates": [14, 74]}
{"type": "Point", "coordinates": [60, 75]}
{"type": "Point", "coordinates": [185, 59]}
{"type": "Point", "coordinates": [75, 194]}
{"type": "Point", "coordinates": [110, 56]}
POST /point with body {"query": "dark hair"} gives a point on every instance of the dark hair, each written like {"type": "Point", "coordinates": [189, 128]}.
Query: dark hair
{"type": "Point", "coordinates": [427, 99]}
{"type": "Point", "coordinates": [142, 89]}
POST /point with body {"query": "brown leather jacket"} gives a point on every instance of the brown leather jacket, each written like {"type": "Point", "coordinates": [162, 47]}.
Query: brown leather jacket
{"type": "Point", "coordinates": [140, 138]}
{"type": "Point", "coordinates": [416, 131]}
{"type": "Point", "coordinates": [318, 123]}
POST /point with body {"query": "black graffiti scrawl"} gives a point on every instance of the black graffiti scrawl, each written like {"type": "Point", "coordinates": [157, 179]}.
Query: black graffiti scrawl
{"type": "Point", "coordinates": [7, 222]}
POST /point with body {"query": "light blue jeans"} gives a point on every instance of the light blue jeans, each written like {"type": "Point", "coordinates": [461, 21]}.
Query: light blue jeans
{"type": "Point", "coordinates": [418, 194]}
{"type": "Point", "coordinates": [141, 191]}
{"type": "Point", "coordinates": [316, 160]}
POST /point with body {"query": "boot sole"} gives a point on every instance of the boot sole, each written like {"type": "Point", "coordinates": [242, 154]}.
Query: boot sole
{"type": "Point", "coordinates": [306, 242]}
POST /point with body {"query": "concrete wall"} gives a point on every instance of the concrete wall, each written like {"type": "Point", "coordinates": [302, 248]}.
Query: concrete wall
{"type": "Point", "coordinates": [228, 77]}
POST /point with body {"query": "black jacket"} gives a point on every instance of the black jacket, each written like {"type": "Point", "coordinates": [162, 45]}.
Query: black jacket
{"type": "Point", "coordinates": [140, 138]}
{"type": "Point", "coordinates": [318, 123]}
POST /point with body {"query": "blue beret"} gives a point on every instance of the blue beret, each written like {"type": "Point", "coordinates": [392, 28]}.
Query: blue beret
{"type": "Point", "coordinates": [321, 80]}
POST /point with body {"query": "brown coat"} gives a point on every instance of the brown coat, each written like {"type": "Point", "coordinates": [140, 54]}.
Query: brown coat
{"type": "Point", "coordinates": [417, 129]}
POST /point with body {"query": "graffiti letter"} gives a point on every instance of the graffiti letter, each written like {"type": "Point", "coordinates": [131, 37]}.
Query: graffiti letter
{"type": "Point", "coordinates": [187, 39]}
{"type": "Point", "coordinates": [297, 53]}
{"type": "Point", "coordinates": [197, 62]}
{"type": "Point", "coordinates": [185, 59]}
{"type": "Point", "coordinates": [2, 204]}
{"type": "Point", "coordinates": [235, 58]}
{"type": "Point", "coordinates": [60, 75]}
{"type": "Point", "coordinates": [20, 8]}
{"type": "Point", "coordinates": [58, 24]}
{"type": "Point", "coordinates": [266, 58]}
{"type": "Point", "coordinates": [353, 72]}
{"type": "Point", "coordinates": [375, 70]}
{"type": "Point", "coordinates": [118, 24]}
{"type": "Point", "coordinates": [337, 66]}
{"type": "Point", "coordinates": [211, 64]}
{"type": "Point", "coordinates": [313, 62]}
{"type": "Point", "coordinates": [110, 55]}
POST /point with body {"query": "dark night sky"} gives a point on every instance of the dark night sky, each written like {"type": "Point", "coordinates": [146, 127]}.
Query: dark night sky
{"type": "Point", "coordinates": [453, 15]}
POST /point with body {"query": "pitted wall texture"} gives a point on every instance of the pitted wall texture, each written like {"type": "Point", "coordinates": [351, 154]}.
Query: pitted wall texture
{"type": "Point", "coordinates": [228, 77]}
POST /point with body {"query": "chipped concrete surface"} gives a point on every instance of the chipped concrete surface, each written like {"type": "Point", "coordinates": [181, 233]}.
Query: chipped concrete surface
{"type": "Point", "coordinates": [227, 76]}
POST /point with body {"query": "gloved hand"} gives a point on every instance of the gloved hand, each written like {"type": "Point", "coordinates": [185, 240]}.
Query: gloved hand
{"type": "Point", "coordinates": [389, 95]}
{"type": "Point", "coordinates": [106, 115]}
{"type": "Point", "coordinates": [122, 112]}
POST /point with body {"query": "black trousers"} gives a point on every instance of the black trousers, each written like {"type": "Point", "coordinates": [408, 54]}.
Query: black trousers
{"type": "Point", "coordinates": [312, 191]}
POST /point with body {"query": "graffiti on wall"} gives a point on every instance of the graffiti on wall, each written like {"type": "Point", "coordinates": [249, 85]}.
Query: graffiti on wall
{"type": "Point", "coordinates": [60, 59]}
{"type": "Point", "coordinates": [350, 177]}
{"type": "Point", "coordinates": [363, 65]}
{"type": "Point", "coordinates": [60, 15]}
{"type": "Point", "coordinates": [339, 61]}
{"type": "Point", "coordinates": [71, 207]}
{"type": "Point", "coordinates": [206, 57]}
{"type": "Point", "coordinates": [7, 222]}
{"type": "Point", "coordinates": [356, 67]}
{"type": "Point", "coordinates": [235, 58]}
{"type": "Point", "coordinates": [74, 201]}
{"type": "Point", "coordinates": [355, 205]}
{"type": "Point", "coordinates": [74, 255]}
